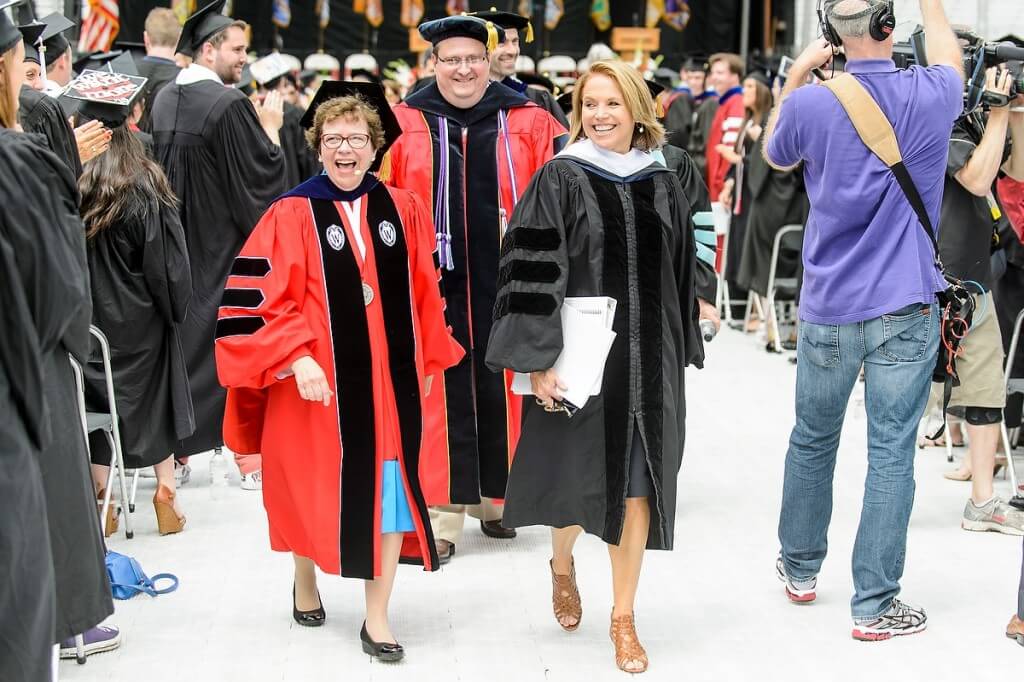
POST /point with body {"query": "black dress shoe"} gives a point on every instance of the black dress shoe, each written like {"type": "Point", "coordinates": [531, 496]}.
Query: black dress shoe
{"type": "Point", "coordinates": [442, 557]}
{"type": "Point", "coordinates": [389, 652]}
{"type": "Point", "coordinates": [310, 619]}
{"type": "Point", "coordinates": [494, 529]}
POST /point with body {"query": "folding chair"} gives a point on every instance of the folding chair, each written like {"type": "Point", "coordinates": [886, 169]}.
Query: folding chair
{"type": "Point", "coordinates": [107, 423]}
{"type": "Point", "coordinates": [775, 283]}
{"type": "Point", "coordinates": [1012, 386]}
{"type": "Point", "coordinates": [723, 218]}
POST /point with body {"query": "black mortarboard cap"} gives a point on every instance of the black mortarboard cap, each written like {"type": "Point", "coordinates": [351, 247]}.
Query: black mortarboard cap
{"type": "Point", "coordinates": [373, 94]}
{"type": "Point", "coordinates": [117, 61]}
{"type": "Point", "coordinates": [137, 50]}
{"type": "Point", "coordinates": [536, 79]}
{"type": "Point", "coordinates": [202, 26]}
{"type": "Point", "coordinates": [507, 20]}
{"type": "Point", "coordinates": [53, 36]}
{"type": "Point", "coordinates": [246, 83]}
{"type": "Point", "coordinates": [761, 76]}
{"type": "Point", "coordinates": [654, 88]}
{"type": "Point", "coordinates": [565, 101]}
{"type": "Point", "coordinates": [9, 34]}
{"type": "Point", "coordinates": [30, 34]}
{"type": "Point", "coordinates": [370, 76]}
{"type": "Point", "coordinates": [694, 63]}
{"type": "Point", "coordinates": [104, 96]}
{"type": "Point", "coordinates": [462, 26]}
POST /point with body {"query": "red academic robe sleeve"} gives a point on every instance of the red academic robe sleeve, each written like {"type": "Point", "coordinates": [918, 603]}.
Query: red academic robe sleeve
{"type": "Point", "coordinates": [260, 329]}
{"type": "Point", "coordinates": [440, 350]}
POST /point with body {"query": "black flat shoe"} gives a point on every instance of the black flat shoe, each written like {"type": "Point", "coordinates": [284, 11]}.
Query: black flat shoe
{"type": "Point", "coordinates": [494, 529]}
{"type": "Point", "coordinates": [310, 619]}
{"type": "Point", "coordinates": [388, 652]}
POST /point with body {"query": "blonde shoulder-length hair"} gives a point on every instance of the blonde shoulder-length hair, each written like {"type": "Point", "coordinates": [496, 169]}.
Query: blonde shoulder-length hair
{"type": "Point", "coordinates": [649, 133]}
{"type": "Point", "coordinates": [8, 94]}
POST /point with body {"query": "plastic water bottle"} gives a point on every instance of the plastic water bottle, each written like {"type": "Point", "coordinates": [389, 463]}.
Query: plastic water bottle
{"type": "Point", "coordinates": [707, 330]}
{"type": "Point", "coordinates": [218, 472]}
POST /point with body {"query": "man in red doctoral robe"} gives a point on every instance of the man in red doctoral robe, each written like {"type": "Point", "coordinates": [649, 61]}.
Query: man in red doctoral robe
{"type": "Point", "coordinates": [469, 147]}
{"type": "Point", "coordinates": [727, 78]}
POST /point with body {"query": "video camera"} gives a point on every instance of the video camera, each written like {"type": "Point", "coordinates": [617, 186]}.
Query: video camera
{"type": "Point", "coordinates": [979, 55]}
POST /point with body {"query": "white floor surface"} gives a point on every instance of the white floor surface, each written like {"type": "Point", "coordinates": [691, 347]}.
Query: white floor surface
{"type": "Point", "coordinates": [711, 610]}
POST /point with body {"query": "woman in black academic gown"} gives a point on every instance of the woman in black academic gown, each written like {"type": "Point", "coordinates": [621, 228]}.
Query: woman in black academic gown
{"type": "Point", "coordinates": [31, 317]}
{"type": "Point", "coordinates": [603, 218]}
{"type": "Point", "coordinates": [141, 285]}
{"type": "Point", "coordinates": [42, 245]}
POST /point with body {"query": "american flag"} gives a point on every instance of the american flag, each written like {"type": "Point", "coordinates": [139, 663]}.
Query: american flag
{"type": "Point", "coordinates": [99, 26]}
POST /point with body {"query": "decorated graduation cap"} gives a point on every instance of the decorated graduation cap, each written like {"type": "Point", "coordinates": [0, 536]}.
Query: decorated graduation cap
{"type": "Point", "coordinates": [105, 96]}
{"type": "Point", "coordinates": [268, 69]}
{"type": "Point", "coordinates": [201, 26]}
{"type": "Point", "coordinates": [373, 94]}
{"type": "Point", "coordinates": [462, 26]}
{"type": "Point", "coordinates": [507, 20]}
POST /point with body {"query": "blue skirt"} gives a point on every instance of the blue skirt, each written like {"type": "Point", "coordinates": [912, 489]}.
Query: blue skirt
{"type": "Point", "coordinates": [394, 508]}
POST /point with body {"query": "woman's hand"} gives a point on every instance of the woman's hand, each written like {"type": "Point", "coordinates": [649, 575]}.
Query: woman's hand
{"type": "Point", "coordinates": [92, 140]}
{"type": "Point", "coordinates": [725, 198]}
{"type": "Point", "coordinates": [728, 152]}
{"type": "Point", "coordinates": [311, 381]}
{"type": "Point", "coordinates": [547, 387]}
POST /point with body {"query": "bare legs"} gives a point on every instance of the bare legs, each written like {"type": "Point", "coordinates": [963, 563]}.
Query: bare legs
{"type": "Point", "coordinates": [626, 560]}
{"type": "Point", "coordinates": [164, 476]}
{"type": "Point", "coordinates": [378, 590]}
{"type": "Point", "coordinates": [562, 542]}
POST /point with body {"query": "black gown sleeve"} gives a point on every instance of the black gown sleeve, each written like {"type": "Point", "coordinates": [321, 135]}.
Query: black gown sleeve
{"type": "Point", "coordinates": [678, 121]}
{"type": "Point", "coordinates": [254, 164]}
{"type": "Point", "coordinates": [43, 115]}
{"type": "Point", "coordinates": [165, 264]}
{"type": "Point", "coordinates": [533, 273]}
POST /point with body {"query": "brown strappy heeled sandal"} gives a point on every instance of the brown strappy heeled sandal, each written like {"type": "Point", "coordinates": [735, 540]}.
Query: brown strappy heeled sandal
{"type": "Point", "coordinates": [627, 646]}
{"type": "Point", "coordinates": [565, 597]}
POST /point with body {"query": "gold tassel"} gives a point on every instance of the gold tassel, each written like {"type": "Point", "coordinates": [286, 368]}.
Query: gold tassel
{"type": "Point", "coordinates": [492, 37]}
{"type": "Point", "coordinates": [384, 174]}
{"type": "Point", "coordinates": [529, 31]}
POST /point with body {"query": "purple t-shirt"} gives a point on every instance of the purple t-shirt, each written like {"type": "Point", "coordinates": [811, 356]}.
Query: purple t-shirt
{"type": "Point", "coordinates": [864, 252]}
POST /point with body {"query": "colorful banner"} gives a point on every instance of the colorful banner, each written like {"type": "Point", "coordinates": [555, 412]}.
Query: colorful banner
{"type": "Point", "coordinates": [412, 13]}
{"type": "Point", "coordinates": [375, 12]}
{"type": "Point", "coordinates": [553, 11]}
{"type": "Point", "coordinates": [677, 14]}
{"type": "Point", "coordinates": [282, 16]}
{"type": "Point", "coordinates": [601, 14]}
{"type": "Point", "coordinates": [454, 7]}
{"type": "Point", "coordinates": [655, 11]}
{"type": "Point", "coordinates": [323, 12]}
{"type": "Point", "coordinates": [100, 24]}
{"type": "Point", "coordinates": [183, 8]}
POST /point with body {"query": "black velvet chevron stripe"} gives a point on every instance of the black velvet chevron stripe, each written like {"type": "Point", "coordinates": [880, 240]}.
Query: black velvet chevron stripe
{"type": "Point", "coordinates": [529, 271]}
{"type": "Point", "coordinates": [523, 303]}
{"type": "Point", "coordinates": [242, 298]}
{"type": "Point", "coordinates": [245, 266]}
{"type": "Point", "coordinates": [531, 239]}
{"type": "Point", "coordinates": [239, 326]}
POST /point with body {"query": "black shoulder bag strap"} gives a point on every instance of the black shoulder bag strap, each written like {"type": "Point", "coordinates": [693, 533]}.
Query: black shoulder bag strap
{"type": "Point", "coordinates": [956, 305]}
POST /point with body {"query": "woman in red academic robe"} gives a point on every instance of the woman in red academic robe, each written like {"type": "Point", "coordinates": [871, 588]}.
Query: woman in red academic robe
{"type": "Point", "coordinates": [329, 335]}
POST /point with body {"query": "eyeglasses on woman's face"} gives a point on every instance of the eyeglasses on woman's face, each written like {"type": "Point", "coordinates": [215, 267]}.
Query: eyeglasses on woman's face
{"type": "Point", "coordinates": [457, 62]}
{"type": "Point", "coordinates": [357, 141]}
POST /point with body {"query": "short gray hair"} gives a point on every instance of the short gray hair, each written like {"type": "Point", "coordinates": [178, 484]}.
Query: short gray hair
{"type": "Point", "coordinates": [851, 18]}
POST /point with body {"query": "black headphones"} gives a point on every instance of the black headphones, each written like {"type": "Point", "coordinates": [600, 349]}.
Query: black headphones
{"type": "Point", "coordinates": [883, 23]}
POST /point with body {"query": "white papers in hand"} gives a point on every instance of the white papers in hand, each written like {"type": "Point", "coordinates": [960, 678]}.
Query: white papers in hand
{"type": "Point", "coordinates": [587, 338]}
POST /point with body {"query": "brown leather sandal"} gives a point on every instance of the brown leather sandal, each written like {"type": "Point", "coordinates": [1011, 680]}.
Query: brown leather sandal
{"type": "Point", "coordinates": [565, 597]}
{"type": "Point", "coordinates": [627, 646]}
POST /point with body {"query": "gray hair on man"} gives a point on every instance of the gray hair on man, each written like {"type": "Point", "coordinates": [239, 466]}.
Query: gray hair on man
{"type": "Point", "coordinates": [851, 18]}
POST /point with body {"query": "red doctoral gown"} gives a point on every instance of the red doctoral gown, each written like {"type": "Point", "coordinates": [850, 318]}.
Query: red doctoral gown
{"type": "Point", "coordinates": [299, 288]}
{"type": "Point", "coordinates": [725, 129]}
{"type": "Point", "coordinates": [472, 419]}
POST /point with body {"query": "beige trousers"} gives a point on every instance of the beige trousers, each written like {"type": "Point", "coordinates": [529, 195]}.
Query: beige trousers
{"type": "Point", "coordinates": [447, 521]}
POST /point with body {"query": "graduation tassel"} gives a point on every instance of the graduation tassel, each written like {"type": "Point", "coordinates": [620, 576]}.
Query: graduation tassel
{"type": "Point", "coordinates": [529, 32]}
{"type": "Point", "coordinates": [492, 37]}
{"type": "Point", "coordinates": [384, 174]}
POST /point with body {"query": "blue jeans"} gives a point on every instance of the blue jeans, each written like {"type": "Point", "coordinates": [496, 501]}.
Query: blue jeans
{"type": "Point", "coordinates": [898, 352]}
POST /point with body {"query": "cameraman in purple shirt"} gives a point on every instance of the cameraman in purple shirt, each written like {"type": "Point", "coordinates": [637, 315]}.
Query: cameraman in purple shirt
{"type": "Point", "coordinates": [868, 298]}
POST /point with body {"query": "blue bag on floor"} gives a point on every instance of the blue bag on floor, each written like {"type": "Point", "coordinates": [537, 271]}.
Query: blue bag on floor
{"type": "Point", "coordinates": [127, 578]}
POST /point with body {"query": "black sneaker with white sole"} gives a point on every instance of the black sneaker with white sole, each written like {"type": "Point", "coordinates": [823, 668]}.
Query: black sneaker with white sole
{"type": "Point", "coordinates": [898, 620]}
{"type": "Point", "coordinates": [798, 591]}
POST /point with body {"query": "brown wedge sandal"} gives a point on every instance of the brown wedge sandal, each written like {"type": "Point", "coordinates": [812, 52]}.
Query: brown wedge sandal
{"type": "Point", "coordinates": [167, 521]}
{"type": "Point", "coordinates": [565, 597]}
{"type": "Point", "coordinates": [112, 524]}
{"type": "Point", "coordinates": [627, 646]}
